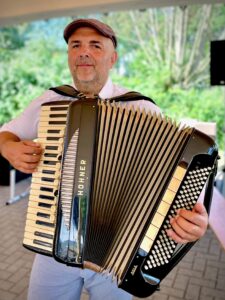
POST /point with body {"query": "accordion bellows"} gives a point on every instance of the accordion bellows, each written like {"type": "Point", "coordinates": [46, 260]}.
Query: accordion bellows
{"type": "Point", "coordinates": [109, 180]}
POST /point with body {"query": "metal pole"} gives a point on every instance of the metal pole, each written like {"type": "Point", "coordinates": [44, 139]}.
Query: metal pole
{"type": "Point", "coordinates": [13, 197]}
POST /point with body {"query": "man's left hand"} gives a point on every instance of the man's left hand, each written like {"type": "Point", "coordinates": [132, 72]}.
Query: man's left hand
{"type": "Point", "coordinates": [189, 226]}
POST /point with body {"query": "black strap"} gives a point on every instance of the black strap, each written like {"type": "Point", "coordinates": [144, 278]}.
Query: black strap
{"type": "Point", "coordinates": [67, 90]}
{"type": "Point", "coordinates": [130, 96]}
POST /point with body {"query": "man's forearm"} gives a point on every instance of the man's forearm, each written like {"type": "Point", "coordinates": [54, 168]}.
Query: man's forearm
{"type": "Point", "coordinates": [6, 136]}
{"type": "Point", "coordinates": [23, 155]}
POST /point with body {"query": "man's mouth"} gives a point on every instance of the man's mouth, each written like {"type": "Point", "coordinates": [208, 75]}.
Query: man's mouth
{"type": "Point", "coordinates": [84, 65]}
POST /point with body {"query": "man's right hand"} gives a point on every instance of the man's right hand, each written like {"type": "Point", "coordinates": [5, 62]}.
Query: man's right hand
{"type": "Point", "coordinates": [22, 155]}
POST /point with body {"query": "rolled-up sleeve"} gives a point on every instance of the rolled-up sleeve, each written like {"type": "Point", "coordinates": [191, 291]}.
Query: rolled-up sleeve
{"type": "Point", "coordinates": [25, 126]}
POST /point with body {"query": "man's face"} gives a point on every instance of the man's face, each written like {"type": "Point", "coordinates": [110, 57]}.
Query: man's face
{"type": "Point", "coordinates": [90, 57]}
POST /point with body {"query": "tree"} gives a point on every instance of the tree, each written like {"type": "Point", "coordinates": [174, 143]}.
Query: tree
{"type": "Point", "coordinates": [167, 56]}
{"type": "Point", "coordinates": [176, 39]}
{"type": "Point", "coordinates": [164, 53]}
{"type": "Point", "coordinates": [31, 60]}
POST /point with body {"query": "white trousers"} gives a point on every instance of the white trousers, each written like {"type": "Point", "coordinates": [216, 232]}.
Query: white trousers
{"type": "Point", "coordinates": [51, 280]}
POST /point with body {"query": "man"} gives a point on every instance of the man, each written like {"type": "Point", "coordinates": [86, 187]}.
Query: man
{"type": "Point", "coordinates": [91, 54]}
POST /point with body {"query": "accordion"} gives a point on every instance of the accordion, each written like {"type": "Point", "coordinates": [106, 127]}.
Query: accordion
{"type": "Point", "coordinates": [109, 180]}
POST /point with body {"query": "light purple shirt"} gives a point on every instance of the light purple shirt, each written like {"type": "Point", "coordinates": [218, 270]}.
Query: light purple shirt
{"type": "Point", "coordinates": [25, 125]}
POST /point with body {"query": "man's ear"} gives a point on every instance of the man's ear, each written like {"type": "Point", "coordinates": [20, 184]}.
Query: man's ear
{"type": "Point", "coordinates": [114, 58]}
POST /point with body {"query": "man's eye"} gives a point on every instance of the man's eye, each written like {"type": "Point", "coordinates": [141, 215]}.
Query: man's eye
{"type": "Point", "coordinates": [75, 46]}
{"type": "Point", "coordinates": [97, 46]}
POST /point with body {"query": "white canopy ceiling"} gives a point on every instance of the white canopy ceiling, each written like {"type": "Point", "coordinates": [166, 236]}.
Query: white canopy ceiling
{"type": "Point", "coordinates": [12, 12]}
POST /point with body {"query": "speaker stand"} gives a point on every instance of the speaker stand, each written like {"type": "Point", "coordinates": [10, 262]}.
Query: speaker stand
{"type": "Point", "coordinates": [13, 197]}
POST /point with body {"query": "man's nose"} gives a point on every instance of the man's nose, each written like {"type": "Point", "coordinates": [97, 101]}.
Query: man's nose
{"type": "Point", "coordinates": [84, 55]}
{"type": "Point", "coordinates": [84, 51]}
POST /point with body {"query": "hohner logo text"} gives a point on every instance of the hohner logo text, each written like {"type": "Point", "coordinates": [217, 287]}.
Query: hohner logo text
{"type": "Point", "coordinates": [81, 177]}
{"type": "Point", "coordinates": [134, 269]}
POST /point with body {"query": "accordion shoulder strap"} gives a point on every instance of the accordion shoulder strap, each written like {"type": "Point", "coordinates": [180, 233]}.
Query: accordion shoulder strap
{"type": "Point", "coordinates": [68, 90]}
{"type": "Point", "coordinates": [130, 96]}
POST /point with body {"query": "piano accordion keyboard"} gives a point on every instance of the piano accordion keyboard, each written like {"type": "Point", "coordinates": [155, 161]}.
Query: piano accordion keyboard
{"type": "Point", "coordinates": [42, 205]}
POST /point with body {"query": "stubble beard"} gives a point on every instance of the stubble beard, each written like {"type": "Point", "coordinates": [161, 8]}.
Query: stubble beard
{"type": "Point", "coordinates": [88, 87]}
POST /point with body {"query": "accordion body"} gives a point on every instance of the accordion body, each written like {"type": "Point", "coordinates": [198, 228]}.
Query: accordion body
{"type": "Point", "coordinates": [109, 180]}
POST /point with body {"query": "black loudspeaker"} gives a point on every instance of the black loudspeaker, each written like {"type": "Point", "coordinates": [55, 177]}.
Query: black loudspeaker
{"type": "Point", "coordinates": [5, 168]}
{"type": "Point", "coordinates": [217, 63]}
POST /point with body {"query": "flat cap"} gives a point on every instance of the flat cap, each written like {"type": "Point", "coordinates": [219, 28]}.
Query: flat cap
{"type": "Point", "coordinates": [101, 27]}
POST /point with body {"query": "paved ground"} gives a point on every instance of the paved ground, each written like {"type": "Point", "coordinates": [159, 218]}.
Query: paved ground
{"type": "Point", "coordinates": [200, 276]}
